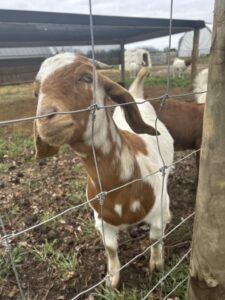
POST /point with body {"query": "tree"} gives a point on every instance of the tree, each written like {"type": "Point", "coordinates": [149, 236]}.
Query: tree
{"type": "Point", "coordinates": [207, 266]}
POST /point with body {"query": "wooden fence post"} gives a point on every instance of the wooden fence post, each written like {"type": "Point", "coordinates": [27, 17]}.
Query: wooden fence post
{"type": "Point", "coordinates": [122, 61]}
{"type": "Point", "coordinates": [195, 53]}
{"type": "Point", "coordinates": [207, 266]}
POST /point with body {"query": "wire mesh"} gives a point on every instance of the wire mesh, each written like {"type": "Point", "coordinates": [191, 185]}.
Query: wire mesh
{"type": "Point", "coordinates": [6, 239]}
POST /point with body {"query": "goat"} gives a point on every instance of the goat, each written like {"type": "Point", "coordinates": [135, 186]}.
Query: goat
{"type": "Point", "coordinates": [179, 66]}
{"type": "Point", "coordinates": [184, 120]}
{"type": "Point", "coordinates": [200, 85]}
{"type": "Point", "coordinates": [125, 147]}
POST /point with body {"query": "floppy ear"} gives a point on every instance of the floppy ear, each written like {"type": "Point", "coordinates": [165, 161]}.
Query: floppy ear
{"type": "Point", "coordinates": [42, 148]}
{"type": "Point", "coordinates": [132, 114]}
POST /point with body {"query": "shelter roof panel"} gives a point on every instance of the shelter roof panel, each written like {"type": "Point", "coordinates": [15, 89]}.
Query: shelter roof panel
{"type": "Point", "coordinates": [32, 28]}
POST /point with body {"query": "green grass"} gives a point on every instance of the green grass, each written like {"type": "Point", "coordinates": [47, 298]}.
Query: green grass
{"type": "Point", "coordinates": [179, 274]}
{"type": "Point", "coordinates": [123, 294]}
{"type": "Point", "coordinates": [4, 167]}
{"type": "Point", "coordinates": [87, 226]}
{"type": "Point", "coordinates": [15, 145]}
{"type": "Point", "coordinates": [184, 82]}
{"type": "Point", "coordinates": [18, 254]}
{"type": "Point", "coordinates": [46, 215]}
{"type": "Point", "coordinates": [61, 264]}
{"type": "Point", "coordinates": [16, 92]}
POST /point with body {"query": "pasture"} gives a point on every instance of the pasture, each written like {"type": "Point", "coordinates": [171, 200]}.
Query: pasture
{"type": "Point", "coordinates": [65, 256]}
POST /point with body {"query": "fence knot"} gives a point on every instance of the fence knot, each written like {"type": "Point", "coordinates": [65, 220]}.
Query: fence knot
{"type": "Point", "coordinates": [163, 98]}
{"type": "Point", "coordinates": [92, 108]}
{"type": "Point", "coordinates": [163, 170]}
{"type": "Point", "coordinates": [101, 197]}
{"type": "Point", "coordinates": [5, 242]}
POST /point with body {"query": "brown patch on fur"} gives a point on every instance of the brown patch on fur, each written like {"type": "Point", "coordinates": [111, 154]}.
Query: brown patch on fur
{"type": "Point", "coordinates": [184, 120]}
{"type": "Point", "coordinates": [109, 169]}
{"type": "Point", "coordinates": [134, 142]}
{"type": "Point", "coordinates": [139, 191]}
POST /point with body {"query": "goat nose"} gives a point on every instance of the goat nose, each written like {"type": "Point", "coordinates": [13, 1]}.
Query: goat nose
{"type": "Point", "coordinates": [47, 113]}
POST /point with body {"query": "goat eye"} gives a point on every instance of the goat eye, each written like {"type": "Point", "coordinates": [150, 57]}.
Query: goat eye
{"type": "Point", "coordinates": [86, 79]}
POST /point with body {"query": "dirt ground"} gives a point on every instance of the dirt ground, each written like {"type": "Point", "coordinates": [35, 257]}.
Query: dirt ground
{"type": "Point", "coordinates": [32, 191]}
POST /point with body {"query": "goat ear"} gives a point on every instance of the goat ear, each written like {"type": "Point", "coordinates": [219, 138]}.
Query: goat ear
{"type": "Point", "coordinates": [42, 148]}
{"type": "Point", "coordinates": [132, 114]}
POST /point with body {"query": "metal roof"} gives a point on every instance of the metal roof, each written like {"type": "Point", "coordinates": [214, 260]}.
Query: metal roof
{"type": "Point", "coordinates": [31, 28]}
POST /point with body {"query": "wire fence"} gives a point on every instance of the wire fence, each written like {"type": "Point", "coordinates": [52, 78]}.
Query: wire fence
{"type": "Point", "coordinates": [7, 238]}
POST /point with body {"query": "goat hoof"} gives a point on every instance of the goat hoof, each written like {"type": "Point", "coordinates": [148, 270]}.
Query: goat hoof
{"type": "Point", "coordinates": [112, 281]}
{"type": "Point", "coordinates": [156, 265]}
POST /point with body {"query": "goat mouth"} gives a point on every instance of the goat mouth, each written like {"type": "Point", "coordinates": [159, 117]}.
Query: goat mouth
{"type": "Point", "coordinates": [55, 128]}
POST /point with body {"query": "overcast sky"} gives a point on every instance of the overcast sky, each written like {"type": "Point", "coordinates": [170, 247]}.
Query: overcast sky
{"type": "Point", "coordinates": [182, 9]}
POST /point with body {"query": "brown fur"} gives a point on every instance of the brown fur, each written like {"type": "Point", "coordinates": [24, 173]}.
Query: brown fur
{"type": "Point", "coordinates": [184, 120]}
{"type": "Point", "coordinates": [135, 143]}
{"type": "Point", "coordinates": [109, 170]}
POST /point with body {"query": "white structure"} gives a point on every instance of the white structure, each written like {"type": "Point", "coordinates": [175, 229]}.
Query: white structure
{"type": "Point", "coordinates": [186, 42]}
{"type": "Point", "coordinates": [135, 59]}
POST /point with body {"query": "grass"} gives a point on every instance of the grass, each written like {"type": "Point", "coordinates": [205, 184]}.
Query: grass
{"type": "Point", "coordinates": [183, 82]}
{"type": "Point", "coordinates": [16, 92]}
{"type": "Point", "coordinates": [16, 145]}
{"type": "Point", "coordinates": [87, 226]}
{"type": "Point", "coordinates": [179, 274]}
{"type": "Point", "coordinates": [18, 254]}
{"type": "Point", "coordinates": [123, 294]}
{"type": "Point", "coordinates": [63, 265]}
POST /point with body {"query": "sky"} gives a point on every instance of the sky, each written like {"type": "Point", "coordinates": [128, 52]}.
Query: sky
{"type": "Point", "coordinates": [182, 9]}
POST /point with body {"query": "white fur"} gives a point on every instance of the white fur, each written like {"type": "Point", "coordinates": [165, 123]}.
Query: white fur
{"type": "Point", "coordinates": [118, 209]}
{"type": "Point", "coordinates": [127, 164]}
{"type": "Point", "coordinates": [39, 104]}
{"type": "Point", "coordinates": [200, 85]}
{"type": "Point", "coordinates": [50, 65]}
{"type": "Point", "coordinates": [136, 205]}
{"type": "Point", "coordinates": [178, 67]}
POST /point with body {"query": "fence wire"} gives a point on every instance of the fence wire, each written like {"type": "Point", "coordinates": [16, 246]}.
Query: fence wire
{"type": "Point", "coordinates": [6, 239]}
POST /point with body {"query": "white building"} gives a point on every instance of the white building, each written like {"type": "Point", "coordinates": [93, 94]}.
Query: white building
{"type": "Point", "coordinates": [186, 42]}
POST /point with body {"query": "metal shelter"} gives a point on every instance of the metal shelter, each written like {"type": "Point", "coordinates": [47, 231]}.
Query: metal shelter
{"type": "Point", "coordinates": [34, 29]}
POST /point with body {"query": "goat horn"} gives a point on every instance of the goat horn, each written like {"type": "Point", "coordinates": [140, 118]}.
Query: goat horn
{"type": "Point", "coordinates": [100, 65]}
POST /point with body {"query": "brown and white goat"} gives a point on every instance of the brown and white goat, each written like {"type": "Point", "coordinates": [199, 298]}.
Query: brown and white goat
{"type": "Point", "coordinates": [184, 120]}
{"type": "Point", "coordinates": [125, 146]}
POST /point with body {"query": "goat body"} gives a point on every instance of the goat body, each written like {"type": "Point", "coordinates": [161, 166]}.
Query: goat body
{"type": "Point", "coordinates": [184, 120]}
{"type": "Point", "coordinates": [125, 146]}
{"type": "Point", "coordinates": [179, 66]}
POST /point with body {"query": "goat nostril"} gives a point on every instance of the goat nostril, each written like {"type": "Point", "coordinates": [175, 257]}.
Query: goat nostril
{"type": "Point", "coordinates": [52, 114]}
{"type": "Point", "coordinates": [48, 113]}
